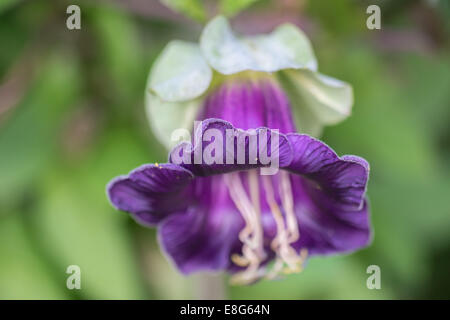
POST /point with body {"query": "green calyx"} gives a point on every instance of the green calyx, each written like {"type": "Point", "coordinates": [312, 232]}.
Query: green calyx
{"type": "Point", "coordinates": [185, 73]}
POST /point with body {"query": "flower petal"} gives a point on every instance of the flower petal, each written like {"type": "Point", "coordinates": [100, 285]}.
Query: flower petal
{"type": "Point", "coordinates": [344, 179]}
{"type": "Point", "coordinates": [317, 100]}
{"type": "Point", "coordinates": [286, 47]}
{"type": "Point", "coordinates": [237, 149]}
{"type": "Point", "coordinates": [203, 236]}
{"type": "Point", "coordinates": [180, 73]}
{"type": "Point", "coordinates": [151, 192]}
{"type": "Point", "coordinates": [326, 228]}
{"type": "Point", "coordinates": [249, 105]}
{"type": "Point", "coordinates": [329, 194]}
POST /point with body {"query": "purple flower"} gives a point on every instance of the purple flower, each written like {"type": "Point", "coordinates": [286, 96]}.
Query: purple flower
{"type": "Point", "coordinates": [226, 215]}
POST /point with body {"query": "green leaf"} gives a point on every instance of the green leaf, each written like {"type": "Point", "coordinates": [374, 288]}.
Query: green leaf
{"type": "Point", "coordinates": [334, 277]}
{"type": "Point", "coordinates": [194, 9]}
{"type": "Point", "coordinates": [23, 273]}
{"type": "Point", "coordinates": [317, 100]}
{"type": "Point", "coordinates": [233, 7]}
{"type": "Point", "coordinates": [5, 4]}
{"type": "Point", "coordinates": [29, 137]}
{"type": "Point", "coordinates": [180, 73]}
{"type": "Point", "coordinates": [77, 225]}
{"type": "Point", "coordinates": [118, 56]}
{"type": "Point", "coordinates": [286, 47]}
{"type": "Point", "coordinates": [165, 117]}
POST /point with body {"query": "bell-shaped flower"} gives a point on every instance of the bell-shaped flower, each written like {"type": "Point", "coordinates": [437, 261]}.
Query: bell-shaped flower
{"type": "Point", "coordinates": [248, 189]}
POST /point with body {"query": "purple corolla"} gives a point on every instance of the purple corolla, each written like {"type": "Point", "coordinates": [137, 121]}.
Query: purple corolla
{"type": "Point", "coordinates": [228, 215]}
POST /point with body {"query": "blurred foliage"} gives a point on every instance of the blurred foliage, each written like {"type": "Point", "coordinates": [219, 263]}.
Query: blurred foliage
{"type": "Point", "coordinates": [78, 120]}
{"type": "Point", "coordinates": [231, 8]}
{"type": "Point", "coordinates": [191, 8]}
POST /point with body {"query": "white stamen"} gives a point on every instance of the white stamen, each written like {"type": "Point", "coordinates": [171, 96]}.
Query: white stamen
{"type": "Point", "coordinates": [251, 235]}
{"type": "Point", "coordinates": [281, 244]}
{"type": "Point", "coordinates": [288, 206]}
{"type": "Point", "coordinates": [254, 195]}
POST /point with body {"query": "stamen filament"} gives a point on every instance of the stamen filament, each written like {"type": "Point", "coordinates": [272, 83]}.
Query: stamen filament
{"type": "Point", "coordinates": [254, 195]}
{"type": "Point", "coordinates": [288, 205]}
{"type": "Point", "coordinates": [251, 235]}
{"type": "Point", "coordinates": [286, 235]}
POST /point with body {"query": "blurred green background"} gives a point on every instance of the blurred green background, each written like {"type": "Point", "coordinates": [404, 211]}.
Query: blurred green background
{"type": "Point", "coordinates": [72, 117]}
